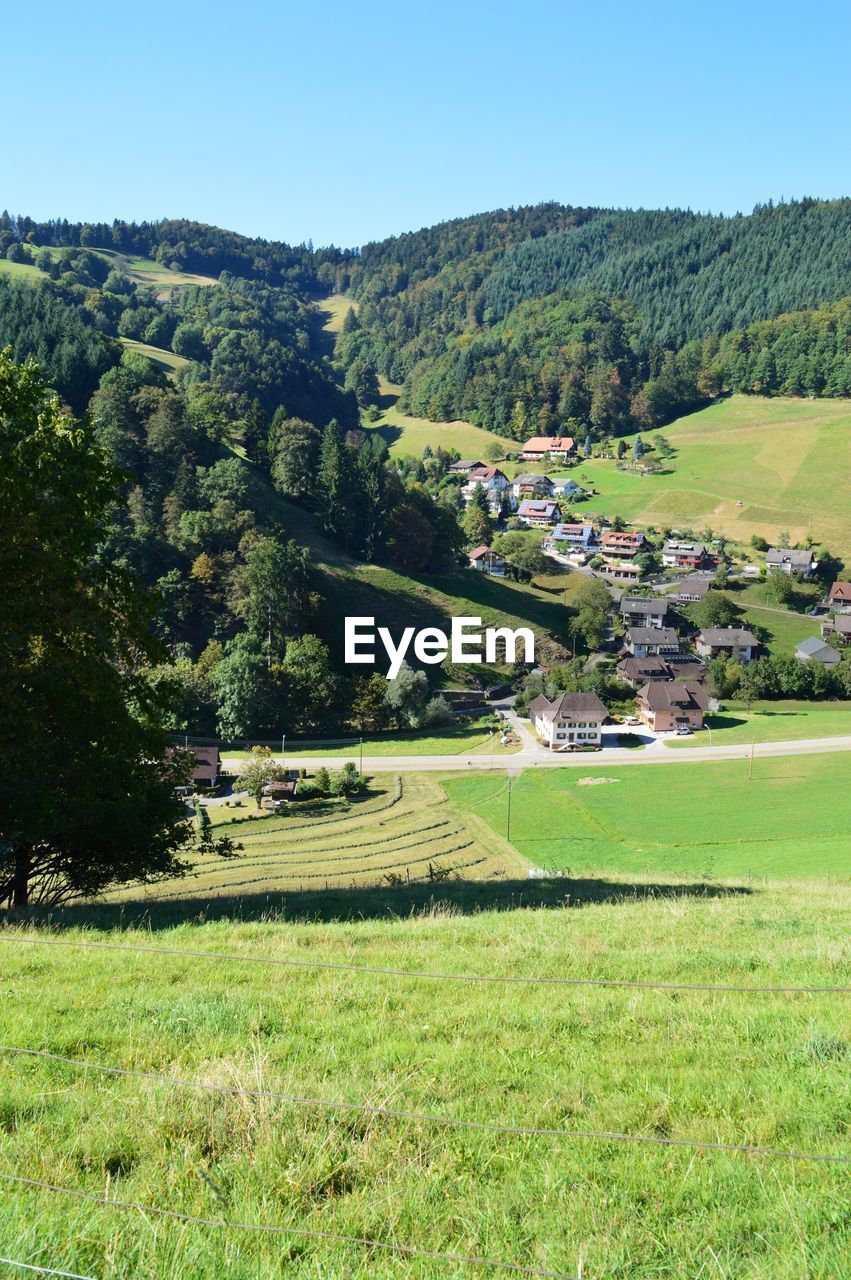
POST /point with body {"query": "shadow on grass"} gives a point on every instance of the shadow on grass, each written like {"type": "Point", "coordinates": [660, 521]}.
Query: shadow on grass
{"type": "Point", "coordinates": [375, 902]}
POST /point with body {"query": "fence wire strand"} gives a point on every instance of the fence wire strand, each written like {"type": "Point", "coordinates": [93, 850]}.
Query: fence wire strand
{"type": "Point", "coordinates": [514, 979]}
{"type": "Point", "coordinates": [397, 1113]}
{"type": "Point", "coordinates": [332, 1237]}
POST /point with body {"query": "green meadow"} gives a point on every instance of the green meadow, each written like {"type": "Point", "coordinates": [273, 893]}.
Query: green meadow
{"type": "Point", "coordinates": [781, 721]}
{"type": "Point", "coordinates": [719, 1067]}
{"type": "Point", "coordinates": [745, 465]}
{"type": "Point", "coordinates": [707, 820]}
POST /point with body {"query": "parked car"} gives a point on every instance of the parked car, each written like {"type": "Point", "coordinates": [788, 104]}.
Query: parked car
{"type": "Point", "coordinates": [683, 731]}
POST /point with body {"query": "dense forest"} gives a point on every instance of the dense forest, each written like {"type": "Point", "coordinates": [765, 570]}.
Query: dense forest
{"type": "Point", "coordinates": [487, 324]}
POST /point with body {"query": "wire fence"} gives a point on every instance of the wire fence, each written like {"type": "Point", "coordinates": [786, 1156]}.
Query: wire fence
{"type": "Point", "coordinates": [333, 1237]}
{"type": "Point", "coordinates": [512, 979]}
{"type": "Point", "coordinates": [43, 1271]}
{"type": "Point", "coordinates": [398, 1113]}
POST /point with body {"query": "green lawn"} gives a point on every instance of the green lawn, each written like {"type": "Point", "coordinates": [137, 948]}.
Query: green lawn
{"type": "Point", "coordinates": [700, 820]}
{"type": "Point", "coordinates": [745, 465]}
{"type": "Point", "coordinates": [735, 1067]}
{"type": "Point", "coordinates": [772, 722]}
{"type": "Point", "coordinates": [473, 738]}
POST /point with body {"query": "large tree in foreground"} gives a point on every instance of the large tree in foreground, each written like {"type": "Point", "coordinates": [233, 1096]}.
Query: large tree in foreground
{"type": "Point", "coordinates": [86, 776]}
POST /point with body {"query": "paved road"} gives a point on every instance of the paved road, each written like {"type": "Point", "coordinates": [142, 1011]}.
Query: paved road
{"type": "Point", "coordinates": [532, 756]}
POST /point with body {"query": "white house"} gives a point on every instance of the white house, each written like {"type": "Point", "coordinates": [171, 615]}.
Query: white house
{"type": "Point", "coordinates": [801, 563]}
{"type": "Point", "coordinates": [737, 642]}
{"type": "Point", "coordinates": [572, 720]}
{"type": "Point", "coordinates": [538, 514]}
{"type": "Point", "coordinates": [815, 650]}
{"type": "Point", "coordinates": [644, 641]}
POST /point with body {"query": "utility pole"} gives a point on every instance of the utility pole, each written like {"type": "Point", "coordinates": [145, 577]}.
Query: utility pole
{"type": "Point", "coordinates": [750, 762]}
{"type": "Point", "coordinates": [508, 822]}
{"type": "Point", "coordinates": [360, 770]}
{"type": "Point", "coordinates": [283, 750]}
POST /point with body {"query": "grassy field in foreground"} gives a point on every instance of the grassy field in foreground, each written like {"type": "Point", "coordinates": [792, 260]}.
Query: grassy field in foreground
{"type": "Point", "coordinates": [728, 1067]}
{"type": "Point", "coordinates": [744, 466]}
{"type": "Point", "coordinates": [404, 828]}
{"type": "Point", "coordinates": [703, 820]}
{"type": "Point", "coordinates": [772, 722]}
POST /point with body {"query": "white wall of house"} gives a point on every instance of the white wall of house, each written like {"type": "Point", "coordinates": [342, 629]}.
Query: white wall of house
{"type": "Point", "coordinates": [558, 734]}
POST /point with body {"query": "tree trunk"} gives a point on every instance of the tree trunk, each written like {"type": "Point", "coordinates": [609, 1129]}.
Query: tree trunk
{"type": "Point", "coordinates": [21, 879]}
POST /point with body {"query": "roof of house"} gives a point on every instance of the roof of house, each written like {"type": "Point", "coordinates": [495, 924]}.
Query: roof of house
{"type": "Point", "coordinates": [723, 637]}
{"type": "Point", "coordinates": [614, 538]}
{"type": "Point", "coordinates": [652, 667]}
{"type": "Point", "coordinates": [465, 464]}
{"type": "Point", "coordinates": [532, 479]}
{"type": "Point", "coordinates": [652, 635]}
{"type": "Point", "coordinates": [545, 444]}
{"type": "Point", "coordinates": [813, 646]}
{"type": "Point", "coordinates": [785, 555]}
{"type": "Point", "coordinates": [479, 552]}
{"type": "Point", "coordinates": [663, 695]}
{"type": "Point", "coordinates": [537, 507]}
{"type": "Point", "coordinates": [578, 707]}
{"type": "Point", "coordinates": [479, 472]}
{"type": "Point", "coordinates": [564, 530]}
{"type": "Point", "coordinates": [840, 591]}
{"type": "Point", "coordinates": [643, 604]}
{"type": "Point", "coordinates": [673, 547]}
{"type": "Point", "coordinates": [694, 585]}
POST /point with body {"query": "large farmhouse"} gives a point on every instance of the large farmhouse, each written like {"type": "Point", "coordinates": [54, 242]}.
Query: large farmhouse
{"type": "Point", "coordinates": [571, 720]}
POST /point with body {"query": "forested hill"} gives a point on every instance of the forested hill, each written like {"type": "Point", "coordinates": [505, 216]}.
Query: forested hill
{"type": "Point", "coordinates": [483, 317]}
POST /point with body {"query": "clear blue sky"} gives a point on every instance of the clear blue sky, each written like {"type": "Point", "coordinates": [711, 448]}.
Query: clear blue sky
{"type": "Point", "coordinates": [346, 121]}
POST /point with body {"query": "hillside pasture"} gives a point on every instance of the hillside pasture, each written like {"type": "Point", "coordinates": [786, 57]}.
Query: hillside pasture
{"type": "Point", "coordinates": [239, 1118]}
{"type": "Point", "coordinates": [162, 358]}
{"type": "Point", "coordinates": [403, 829]}
{"type": "Point", "coordinates": [708, 820]}
{"type": "Point", "coordinates": [746, 465]}
{"type": "Point", "coordinates": [408, 436]}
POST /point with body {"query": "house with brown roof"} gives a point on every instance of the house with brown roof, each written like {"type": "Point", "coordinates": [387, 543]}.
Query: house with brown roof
{"type": "Point", "coordinates": [621, 545]}
{"type": "Point", "coordinates": [486, 560]}
{"type": "Point", "coordinates": [541, 447]}
{"type": "Point", "coordinates": [645, 641]}
{"type": "Point", "coordinates": [464, 466]}
{"type": "Point", "coordinates": [732, 642]}
{"type": "Point", "coordinates": [839, 597]}
{"type": "Point", "coordinates": [666, 706]}
{"type": "Point", "coordinates": [206, 768]}
{"type": "Point", "coordinates": [640, 671]}
{"type": "Point", "coordinates": [571, 720]}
